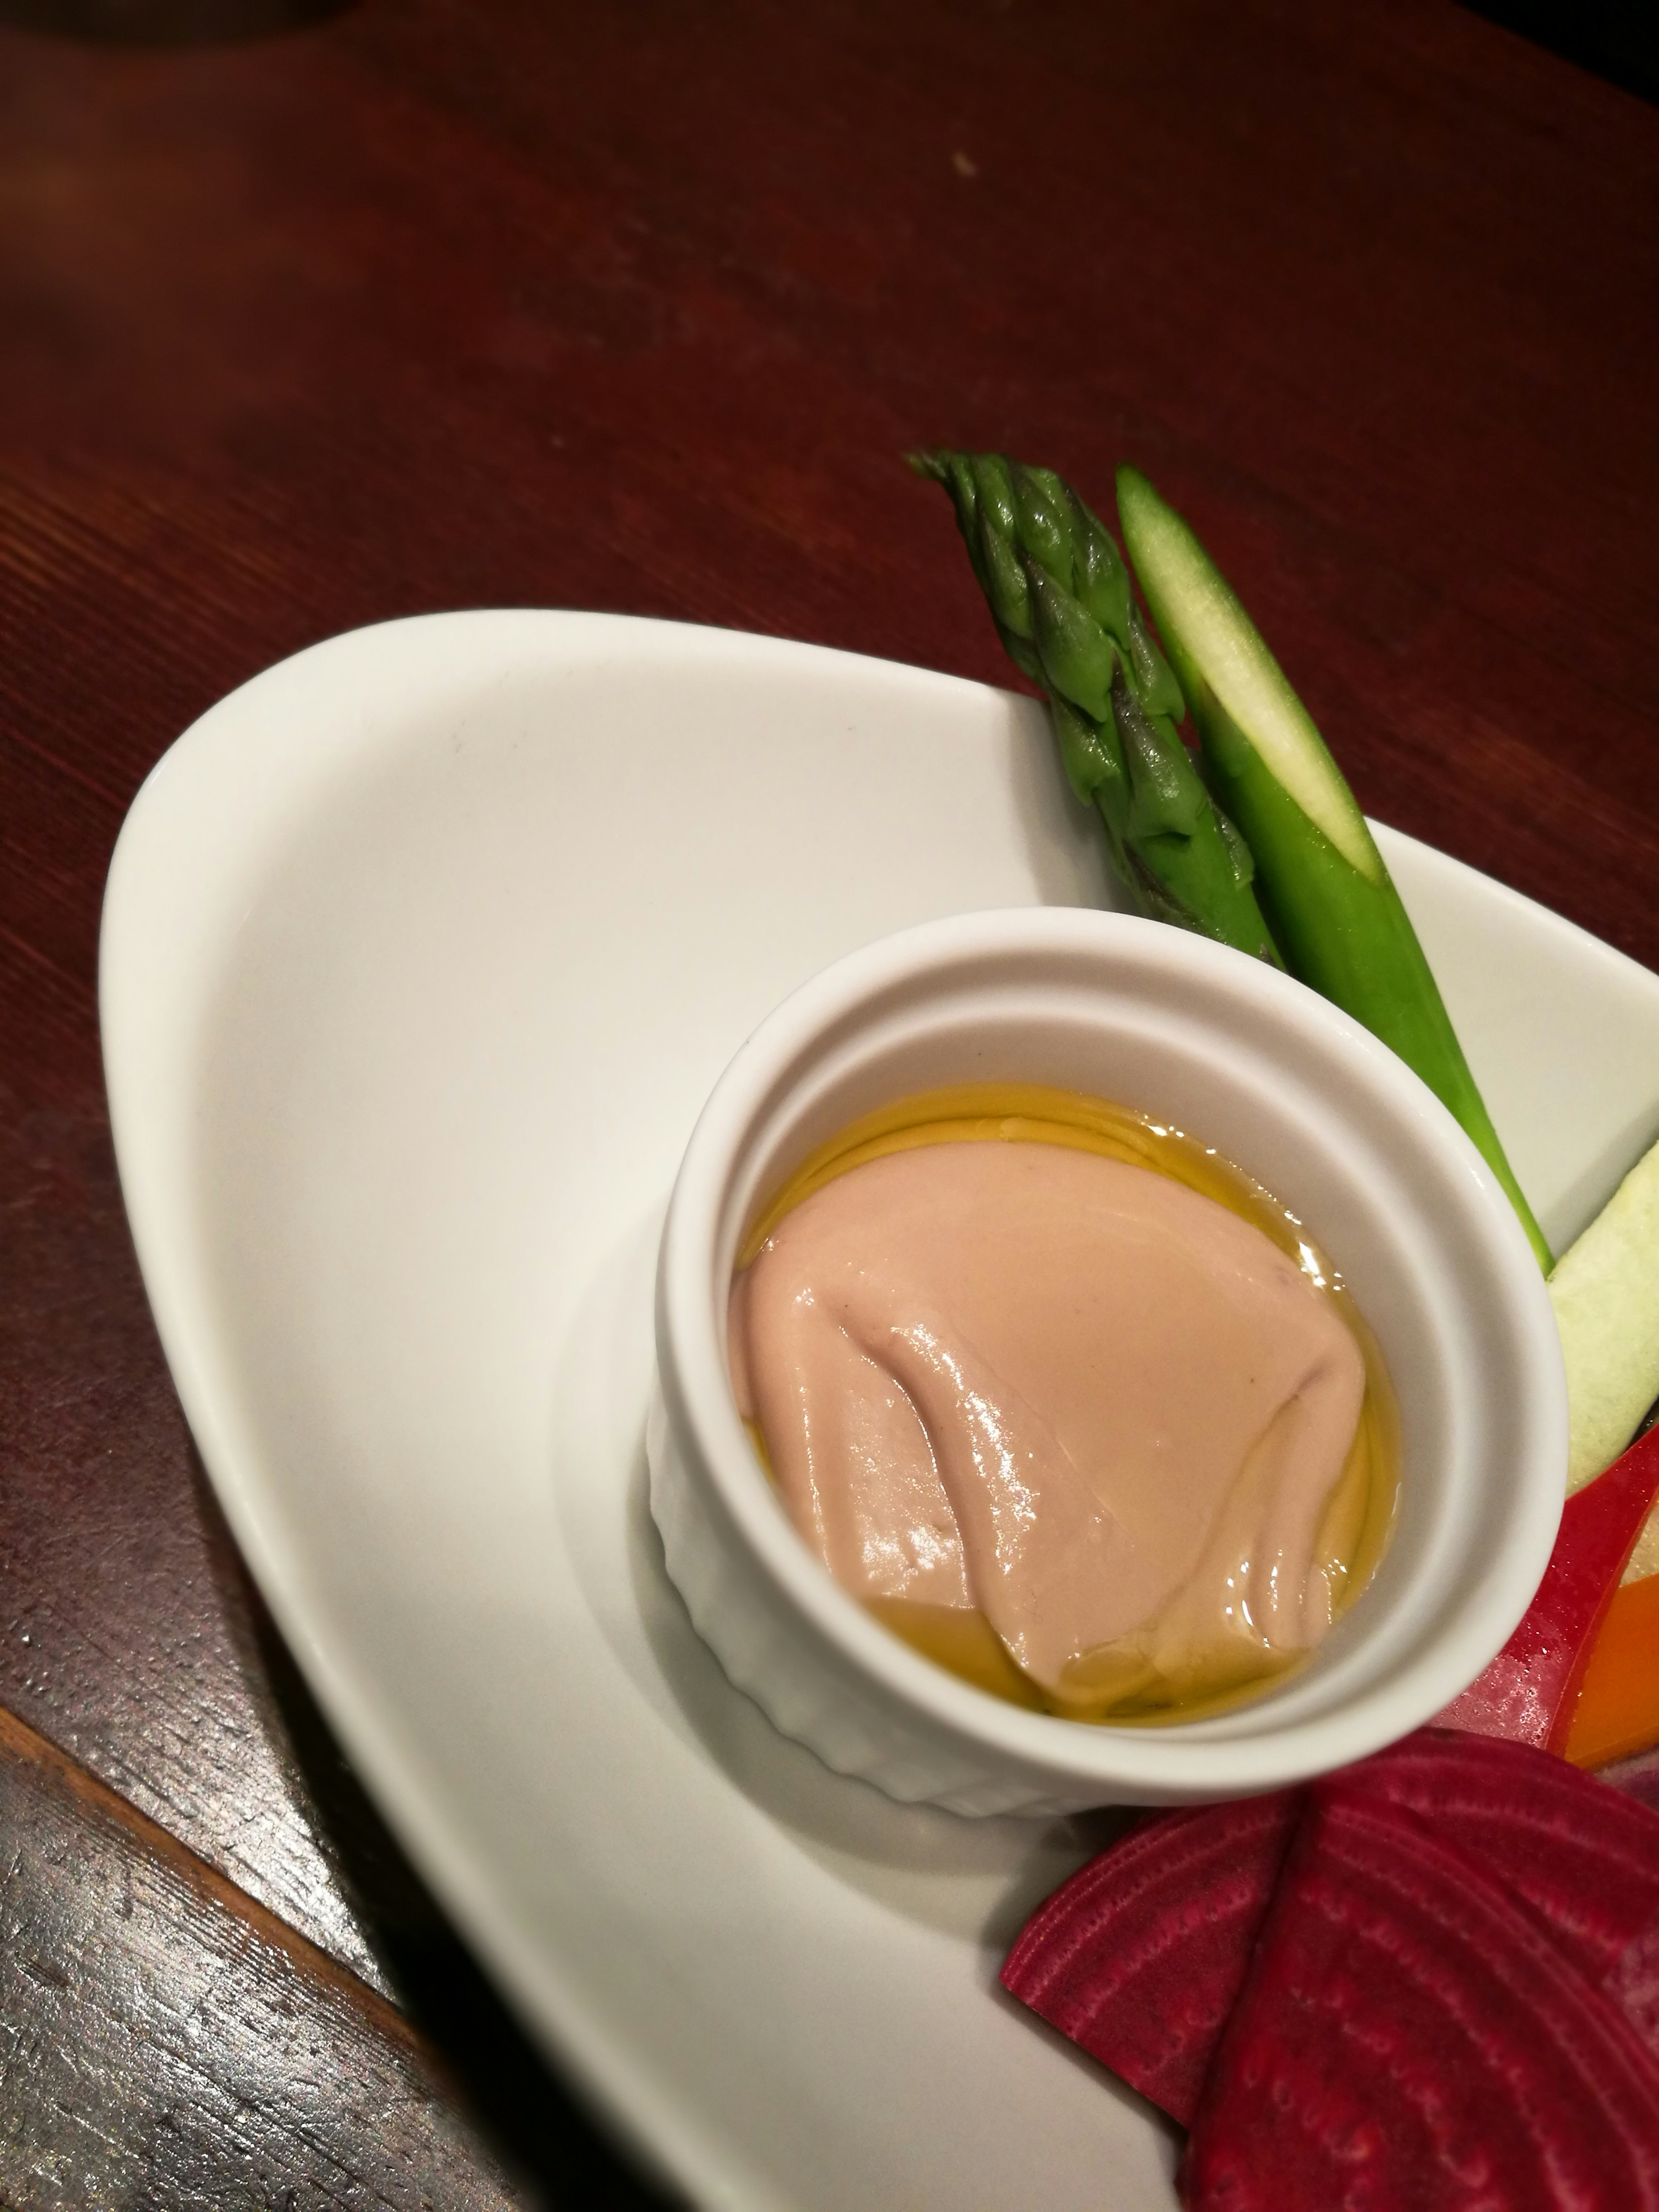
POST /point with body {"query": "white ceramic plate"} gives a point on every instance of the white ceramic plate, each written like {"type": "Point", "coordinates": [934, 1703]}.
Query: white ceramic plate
{"type": "Point", "coordinates": [420, 954]}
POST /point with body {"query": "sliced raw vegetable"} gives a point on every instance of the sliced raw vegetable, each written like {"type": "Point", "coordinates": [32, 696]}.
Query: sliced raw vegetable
{"type": "Point", "coordinates": [1410, 2039]}
{"type": "Point", "coordinates": [1059, 594]}
{"type": "Point", "coordinates": [1645, 1560]}
{"type": "Point", "coordinates": [1605, 1290]}
{"type": "Point", "coordinates": [1530, 1689]}
{"type": "Point", "coordinates": [1636, 1777]}
{"type": "Point", "coordinates": [1137, 1958]}
{"type": "Point", "coordinates": [1335, 914]}
{"type": "Point", "coordinates": [1581, 1856]}
{"type": "Point", "coordinates": [1616, 1714]}
{"type": "Point", "coordinates": [1140, 1956]}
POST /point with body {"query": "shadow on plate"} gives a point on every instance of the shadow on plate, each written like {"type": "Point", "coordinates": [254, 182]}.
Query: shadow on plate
{"type": "Point", "coordinates": [979, 1879]}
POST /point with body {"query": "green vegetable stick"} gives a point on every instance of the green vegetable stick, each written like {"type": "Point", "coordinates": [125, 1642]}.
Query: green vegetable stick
{"type": "Point", "coordinates": [1059, 592]}
{"type": "Point", "coordinates": [1605, 1291]}
{"type": "Point", "coordinates": [1335, 914]}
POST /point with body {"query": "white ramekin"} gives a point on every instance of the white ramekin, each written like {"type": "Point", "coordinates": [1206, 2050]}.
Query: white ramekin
{"type": "Point", "coordinates": [1277, 1080]}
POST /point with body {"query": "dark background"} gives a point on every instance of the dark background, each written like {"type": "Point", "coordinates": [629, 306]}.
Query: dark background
{"type": "Point", "coordinates": [1617, 38]}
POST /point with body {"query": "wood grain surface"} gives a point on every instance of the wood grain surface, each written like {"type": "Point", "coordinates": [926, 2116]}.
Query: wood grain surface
{"type": "Point", "coordinates": [164, 2041]}
{"type": "Point", "coordinates": [460, 302]}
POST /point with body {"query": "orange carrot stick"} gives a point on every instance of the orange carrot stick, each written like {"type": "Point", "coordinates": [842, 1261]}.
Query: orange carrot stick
{"type": "Point", "coordinates": [1617, 1709]}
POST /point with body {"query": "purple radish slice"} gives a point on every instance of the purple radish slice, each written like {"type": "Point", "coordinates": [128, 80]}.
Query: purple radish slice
{"type": "Point", "coordinates": [1410, 2039]}
{"type": "Point", "coordinates": [1138, 1957]}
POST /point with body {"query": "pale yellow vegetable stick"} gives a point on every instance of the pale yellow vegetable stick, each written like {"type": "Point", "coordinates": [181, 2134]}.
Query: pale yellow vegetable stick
{"type": "Point", "coordinates": [1645, 1560]}
{"type": "Point", "coordinates": [1606, 1294]}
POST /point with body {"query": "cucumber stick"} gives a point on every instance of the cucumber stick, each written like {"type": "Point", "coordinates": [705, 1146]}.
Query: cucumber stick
{"type": "Point", "coordinates": [1321, 881]}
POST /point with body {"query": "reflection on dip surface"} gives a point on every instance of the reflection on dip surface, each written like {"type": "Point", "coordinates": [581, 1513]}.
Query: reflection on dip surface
{"type": "Point", "coordinates": [1067, 1401]}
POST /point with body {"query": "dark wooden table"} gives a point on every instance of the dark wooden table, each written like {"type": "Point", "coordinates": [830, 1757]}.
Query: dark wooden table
{"type": "Point", "coordinates": [457, 302]}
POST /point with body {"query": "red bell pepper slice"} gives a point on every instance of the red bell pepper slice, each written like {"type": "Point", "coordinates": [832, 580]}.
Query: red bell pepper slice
{"type": "Point", "coordinates": [1530, 1689]}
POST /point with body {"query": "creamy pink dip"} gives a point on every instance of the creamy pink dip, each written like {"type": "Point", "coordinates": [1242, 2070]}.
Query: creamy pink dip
{"type": "Point", "coordinates": [1074, 1394]}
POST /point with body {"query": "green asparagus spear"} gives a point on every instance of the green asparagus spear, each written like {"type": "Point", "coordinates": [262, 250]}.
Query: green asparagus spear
{"type": "Point", "coordinates": [1059, 594]}
{"type": "Point", "coordinates": [1335, 914]}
